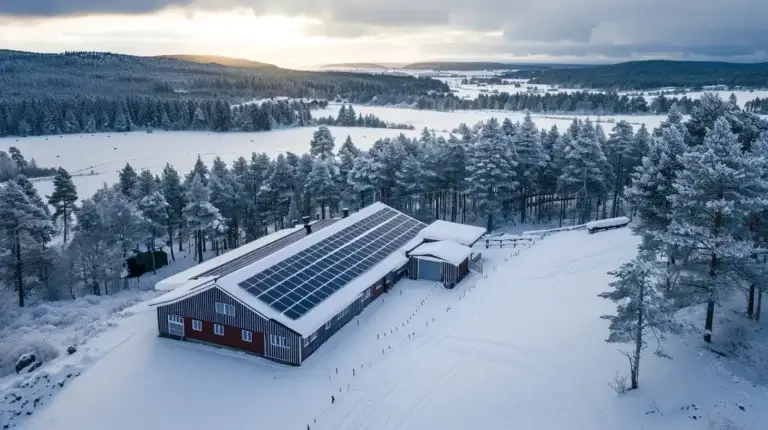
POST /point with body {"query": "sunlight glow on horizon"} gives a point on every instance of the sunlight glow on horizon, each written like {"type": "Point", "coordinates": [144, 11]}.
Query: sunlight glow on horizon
{"type": "Point", "coordinates": [274, 39]}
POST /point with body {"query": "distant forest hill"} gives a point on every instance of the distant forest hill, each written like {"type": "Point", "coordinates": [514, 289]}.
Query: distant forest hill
{"type": "Point", "coordinates": [223, 61]}
{"type": "Point", "coordinates": [644, 75]}
{"type": "Point", "coordinates": [457, 66]}
{"type": "Point", "coordinates": [25, 75]}
{"type": "Point", "coordinates": [469, 66]}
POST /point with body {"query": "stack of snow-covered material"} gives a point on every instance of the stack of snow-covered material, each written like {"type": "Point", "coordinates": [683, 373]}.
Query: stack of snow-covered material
{"type": "Point", "coordinates": [607, 224]}
{"type": "Point", "coordinates": [450, 252]}
{"type": "Point", "coordinates": [547, 232]}
{"type": "Point", "coordinates": [462, 234]}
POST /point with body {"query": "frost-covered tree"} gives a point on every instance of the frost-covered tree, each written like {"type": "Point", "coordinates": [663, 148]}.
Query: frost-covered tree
{"type": "Point", "coordinates": [320, 186]}
{"type": "Point", "coordinates": [199, 169]}
{"type": "Point", "coordinates": [170, 186]}
{"type": "Point", "coordinates": [719, 188]}
{"type": "Point", "coordinates": [128, 180]}
{"type": "Point", "coordinates": [155, 211]}
{"type": "Point", "coordinates": [322, 143]}
{"type": "Point", "coordinates": [585, 163]}
{"type": "Point", "coordinates": [364, 177]}
{"type": "Point", "coordinates": [24, 227]}
{"type": "Point", "coordinates": [63, 200]}
{"type": "Point", "coordinates": [653, 184]}
{"type": "Point", "coordinates": [409, 179]}
{"type": "Point", "coordinates": [617, 152]}
{"type": "Point", "coordinates": [277, 190]}
{"type": "Point", "coordinates": [492, 171]}
{"type": "Point", "coordinates": [145, 185]}
{"type": "Point", "coordinates": [530, 156]}
{"type": "Point", "coordinates": [641, 310]}
{"type": "Point", "coordinates": [199, 213]}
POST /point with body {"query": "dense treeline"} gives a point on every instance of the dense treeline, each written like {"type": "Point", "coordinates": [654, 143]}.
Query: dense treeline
{"type": "Point", "coordinates": [757, 105]}
{"type": "Point", "coordinates": [643, 75]}
{"type": "Point", "coordinates": [700, 196]}
{"type": "Point", "coordinates": [91, 115]}
{"type": "Point", "coordinates": [561, 102]}
{"type": "Point", "coordinates": [347, 118]}
{"type": "Point", "coordinates": [29, 75]}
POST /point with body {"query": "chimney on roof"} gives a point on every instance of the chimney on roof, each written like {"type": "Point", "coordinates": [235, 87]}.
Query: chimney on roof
{"type": "Point", "coordinates": [344, 212]}
{"type": "Point", "coordinates": [307, 226]}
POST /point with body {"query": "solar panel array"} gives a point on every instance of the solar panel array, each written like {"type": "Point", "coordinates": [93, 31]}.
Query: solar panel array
{"type": "Point", "coordinates": [299, 283]}
{"type": "Point", "coordinates": [259, 253]}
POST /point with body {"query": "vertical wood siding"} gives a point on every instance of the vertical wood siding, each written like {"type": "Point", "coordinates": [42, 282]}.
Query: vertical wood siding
{"type": "Point", "coordinates": [325, 332]}
{"type": "Point", "coordinates": [202, 307]}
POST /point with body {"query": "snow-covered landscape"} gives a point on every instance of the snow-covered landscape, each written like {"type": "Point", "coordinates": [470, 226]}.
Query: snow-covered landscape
{"type": "Point", "coordinates": [469, 360]}
{"type": "Point", "coordinates": [525, 241]}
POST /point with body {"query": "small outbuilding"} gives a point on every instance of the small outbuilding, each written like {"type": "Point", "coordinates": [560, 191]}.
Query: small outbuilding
{"type": "Point", "coordinates": [441, 261]}
{"type": "Point", "coordinates": [462, 234]}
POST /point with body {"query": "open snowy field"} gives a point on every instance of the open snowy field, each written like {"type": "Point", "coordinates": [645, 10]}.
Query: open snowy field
{"type": "Point", "coordinates": [107, 153]}
{"type": "Point", "coordinates": [447, 121]}
{"type": "Point", "coordinates": [522, 348]}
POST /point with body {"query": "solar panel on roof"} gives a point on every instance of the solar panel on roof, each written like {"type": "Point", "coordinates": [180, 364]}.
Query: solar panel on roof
{"type": "Point", "coordinates": [259, 253]}
{"type": "Point", "coordinates": [296, 286]}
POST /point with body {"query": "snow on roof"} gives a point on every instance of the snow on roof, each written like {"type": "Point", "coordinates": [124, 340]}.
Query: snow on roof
{"type": "Point", "coordinates": [448, 251]}
{"type": "Point", "coordinates": [459, 233]}
{"type": "Point", "coordinates": [325, 310]}
{"type": "Point", "coordinates": [610, 222]}
{"type": "Point", "coordinates": [183, 278]}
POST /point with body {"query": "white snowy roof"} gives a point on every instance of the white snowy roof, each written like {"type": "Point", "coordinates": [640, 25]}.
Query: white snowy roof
{"type": "Point", "coordinates": [326, 309]}
{"type": "Point", "coordinates": [459, 233]}
{"type": "Point", "coordinates": [183, 278]}
{"type": "Point", "coordinates": [447, 251]}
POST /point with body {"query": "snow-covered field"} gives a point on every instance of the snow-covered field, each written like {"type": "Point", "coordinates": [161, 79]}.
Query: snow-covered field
{"type": "Point", "coordinates": [107, 153]}
{"type": "Point", "coordinates": [520, 347]}
{"type": "Point", "coordinates": [447, 121]}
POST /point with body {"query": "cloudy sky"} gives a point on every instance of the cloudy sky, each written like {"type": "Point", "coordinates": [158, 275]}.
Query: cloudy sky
{"type": "Point", "coordinates": [306, 33]}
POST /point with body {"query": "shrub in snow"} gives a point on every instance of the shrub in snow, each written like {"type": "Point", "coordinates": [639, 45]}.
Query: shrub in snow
{"type": "Point", "coordinates": [619, 384]}
{"type": "Point", "coordinates": [71, 350]}
{"type": "Point", "coordinates": [13, 349]}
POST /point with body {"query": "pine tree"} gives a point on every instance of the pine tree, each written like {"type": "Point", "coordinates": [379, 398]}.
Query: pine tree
{"type": "Point", "coordinates": [491, 171]}
{"type": "Point", "coordinates": [320, 186]}
{"type": "Point", "coordinates": [23, 224]}
{"type": "Point", "coordinates": [529, 154]}
{"type": "Point", "coordinates": [199, 213]}
{"type": "Point", "coordinates": [409, 178]}
{"type": "Point", "coordinates": [652, 185]}
{"type": "Point", "coordinates": [155, 210]}
{"type": "Point", "coordinates": [585, 169]}
{"type": "Point", "coordinates": [719, 188]}
{"type": "Point", "coordinates": [199, 169]}
{"type": "Point", "coordinates": [170, 186]}
{"type": "Point", "coordinates": [617, 152]}
{"type": "Point", "coordinates": [322, 143]}
{"type": "Point", "coordinates": [128, 180]}
{"type": "Point", "coordinates": [364, 177]}
{"type": "Point", "coordinates": [145, 185]}
{"type": "Point", "coordinates": [17, 158]}
{"type": "Point", "coordinates": [641, 310]}
{"type": "Point", "coordinates": [63, 199]}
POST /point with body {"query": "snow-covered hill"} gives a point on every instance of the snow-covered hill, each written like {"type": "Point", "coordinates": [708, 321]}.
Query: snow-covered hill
{"type": "Point", "coordinates": [519, 347]}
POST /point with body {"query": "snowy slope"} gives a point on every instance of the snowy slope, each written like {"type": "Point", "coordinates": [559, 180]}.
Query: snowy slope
{"type": "Point", "coordinates": [520, 347]}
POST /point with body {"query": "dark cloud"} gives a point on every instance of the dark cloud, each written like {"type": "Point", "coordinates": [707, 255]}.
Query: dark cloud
{"type": "Point", "coordinates": [599, 28]}
{"type": "Point", "coordinates": [38, 8]}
